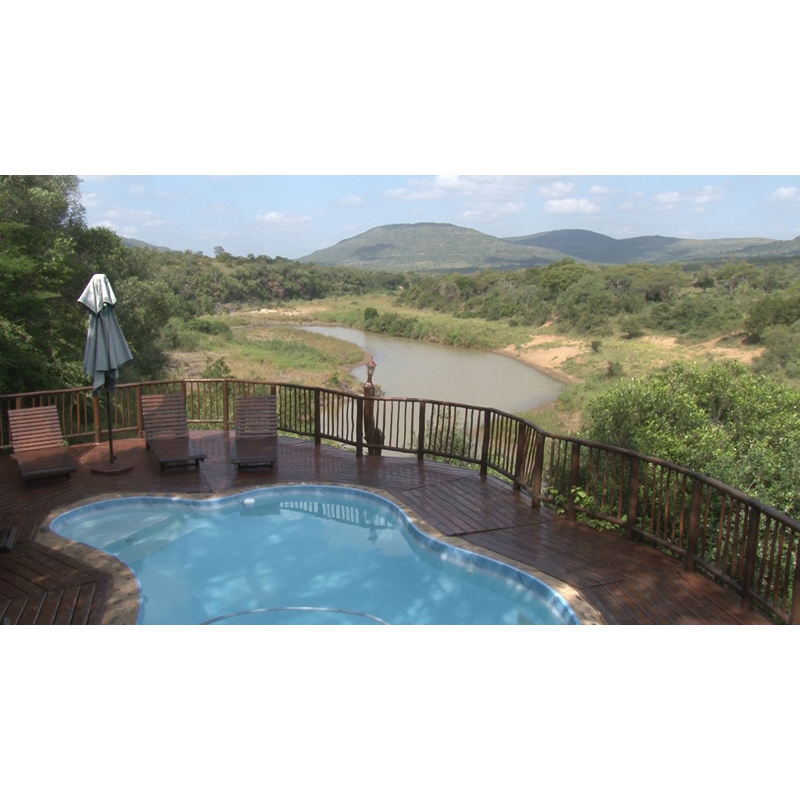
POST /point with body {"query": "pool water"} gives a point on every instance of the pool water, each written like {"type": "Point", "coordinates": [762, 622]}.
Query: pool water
{"type": "Point", "coordinates": [303, 555]}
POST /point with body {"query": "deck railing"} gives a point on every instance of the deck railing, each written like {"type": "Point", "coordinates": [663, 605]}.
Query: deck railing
{"type": "Point", "coordinates": [713, 528]}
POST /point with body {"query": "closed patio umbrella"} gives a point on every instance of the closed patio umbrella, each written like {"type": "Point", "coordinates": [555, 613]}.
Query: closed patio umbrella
{"type": "Point", "coordinates": [106, 348]}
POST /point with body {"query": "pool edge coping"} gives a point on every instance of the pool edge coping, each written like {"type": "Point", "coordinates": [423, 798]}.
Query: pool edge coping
{"type": "Point", "coordinates": [122, 605]}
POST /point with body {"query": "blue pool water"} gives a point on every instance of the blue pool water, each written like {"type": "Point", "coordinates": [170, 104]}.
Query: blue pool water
{"type": "Point", "coordinates": [303, 555]}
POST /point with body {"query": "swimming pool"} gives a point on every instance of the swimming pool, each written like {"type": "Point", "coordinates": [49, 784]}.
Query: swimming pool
{"type": "Point", "coordinates": [303, 555]}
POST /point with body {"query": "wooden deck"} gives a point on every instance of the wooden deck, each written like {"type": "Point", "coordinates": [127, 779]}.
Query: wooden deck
{"type": "Point", "coordinates": [606, 578]}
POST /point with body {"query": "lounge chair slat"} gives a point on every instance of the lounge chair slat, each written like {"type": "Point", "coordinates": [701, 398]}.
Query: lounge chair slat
{"type": "Point", "coordinates": [38, 442]}
{"type": "Point", "coordinates": [166, 430]}
{"type": "Point", "coordinates": [256, 440]}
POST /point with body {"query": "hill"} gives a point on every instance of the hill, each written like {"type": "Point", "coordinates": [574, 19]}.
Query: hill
{"type": "Point", "coordinates": [430, 246]}
{"type": "Point", "coordinates": [138, 243]}
{"type": "Point", "coordinates": [600, 249]}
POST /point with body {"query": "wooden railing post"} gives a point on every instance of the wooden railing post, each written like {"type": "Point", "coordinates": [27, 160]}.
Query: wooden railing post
{"type": "Point", "coordinates": [694, 524]}
{"type": "Point", "coordinates": [225, 406]}
{"type": "Point", "coordinates": [522, 451]}
{"type": "Point", "coordinates": [794, 610]}
{"type": "Point", "coordinates": [359, 427]}
{"type": "Point", "coordinates": [317, 418]}
{"type": "Point", "coordinates": [487, 423]}
{"type": "Point", "coordinates": [139, 415]}
{"type": "Point", "coordinates": [538, 469]}
{"type": "Point", "coordinates": [574, 475]}
{"type": "Point", "coordinates": [96, 412]}
{"type": "Point", "coordinates": [421, 434]}
{"type": "Point", "coordinates": [633, 497]}
{"type": "Point", "coordinates": [751, 544]}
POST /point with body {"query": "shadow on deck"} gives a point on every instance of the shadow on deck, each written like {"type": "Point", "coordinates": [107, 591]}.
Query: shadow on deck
{"type": "Point", "coordinates": [45, 580]}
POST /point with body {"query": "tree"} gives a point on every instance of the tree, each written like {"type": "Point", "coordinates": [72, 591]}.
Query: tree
{"type": "Point", "coordinates": [47, 256]}
{"type": "Point", "coordinates": [724, 422]}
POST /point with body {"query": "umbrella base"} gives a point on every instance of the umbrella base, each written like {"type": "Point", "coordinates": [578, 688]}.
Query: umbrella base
{"type": "Point", "coordinates": [102, 467]}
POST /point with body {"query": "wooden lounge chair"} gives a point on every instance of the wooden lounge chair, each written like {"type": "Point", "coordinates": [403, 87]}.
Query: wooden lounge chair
{"type": "Point", "coordinates": [256, 441]}
{"type": "Point", "coordinates": [38, 444]}
{"type": "Point", "coordinates": [166, 431]}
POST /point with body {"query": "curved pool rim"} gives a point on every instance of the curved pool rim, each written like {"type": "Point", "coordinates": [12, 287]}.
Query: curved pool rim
{"type": "Point", "coordinates": [551, 590]}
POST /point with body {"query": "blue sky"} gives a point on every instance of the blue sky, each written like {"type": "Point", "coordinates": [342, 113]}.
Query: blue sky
{"type": "Point", "coordinates": [294, 215]}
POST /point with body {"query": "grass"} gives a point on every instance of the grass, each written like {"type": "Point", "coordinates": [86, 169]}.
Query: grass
{"type": "Point", "coordinates": [261, 350]}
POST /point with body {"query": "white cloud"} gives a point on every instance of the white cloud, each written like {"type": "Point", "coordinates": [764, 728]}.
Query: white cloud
{"type": "Point", "coordinates": [92, 199]}
{"type": "Point", "coordinates": [137, 188]}
{"type": "Point", "coordinates": [707, 194]}
{"type": "Point", "coordinates": [786, 194]}
{"type": "Point", "coordinates": [350, 200]}
{"type": "Point", "coordinates": [570, 205]}
{"type": "Point", "coordinates": [450, 182]}
{"type": "Point", "coordinates": [557, 189]}
{"type": "Point", "coordinates": [626, 207]}
{"type": "Point", "coordinates": [276, 218]}
{"type": "Point", "coordinates": [511, 208]}
{"type": "Point", "coordinates": [603, 191]}
{"type": "Point", "coordinates": [106, 224]}
{"type": "Point", "coordinates": [146, 218]}
{"type": "Point", "coordinates": [433, 193]}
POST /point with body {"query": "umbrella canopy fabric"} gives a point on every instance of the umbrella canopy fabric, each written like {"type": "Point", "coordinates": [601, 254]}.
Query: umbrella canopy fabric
{"type": "Point", "coordinates": [106, 348]}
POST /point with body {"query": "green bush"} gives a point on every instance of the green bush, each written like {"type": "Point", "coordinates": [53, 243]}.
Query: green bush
{"type": "Point", "coordinates": [724, 422]}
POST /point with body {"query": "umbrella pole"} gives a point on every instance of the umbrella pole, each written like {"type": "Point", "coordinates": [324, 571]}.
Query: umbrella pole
{"type": "Point", "coordinates": [110, 435]}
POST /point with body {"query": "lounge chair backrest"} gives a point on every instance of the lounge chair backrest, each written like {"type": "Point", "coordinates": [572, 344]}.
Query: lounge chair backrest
{"type": "Point", "coordinates": [256, 415]}
{"type": "Point", "coordinates": [164, 416]}
{"type": "Point", "coordinates": [35, 428]}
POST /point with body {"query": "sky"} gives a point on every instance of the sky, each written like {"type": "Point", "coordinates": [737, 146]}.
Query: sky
{"type": "Point", "coordinates": [292, 216]}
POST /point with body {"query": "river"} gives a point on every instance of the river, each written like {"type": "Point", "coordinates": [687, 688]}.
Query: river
{"type": "Point", "coordinates": [412, 368]}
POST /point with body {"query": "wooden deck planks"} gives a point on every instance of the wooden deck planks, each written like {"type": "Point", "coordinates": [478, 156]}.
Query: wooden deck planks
{"type": "Point", "coordinates": [629, 583]}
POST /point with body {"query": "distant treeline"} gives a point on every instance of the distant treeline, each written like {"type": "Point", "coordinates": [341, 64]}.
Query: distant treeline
{"type": "Point", "coordinates": [759, 302]}
{"type": "Point", "coordinates": [203, 285]}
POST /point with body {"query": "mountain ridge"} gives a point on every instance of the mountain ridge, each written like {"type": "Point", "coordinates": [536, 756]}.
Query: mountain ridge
{"type": "Point", "coordinates": [430, 246]}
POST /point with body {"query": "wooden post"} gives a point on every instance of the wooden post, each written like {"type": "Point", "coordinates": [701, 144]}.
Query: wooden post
{"type": "Point", "coordinates": [487, 431]}
{"type": "Point", "coordinates": [225, 407]}
{"type": "Point", "coordinates": [522, 451]}
{"type": "Point", "coordinates": [574, 475]}
{"type": "Point", "coordinates": [694, 524]}
{"type": "Point", "coordinates": [19, 402]}
{"type": "Point", "coordinates": [96, 411]}
{"type": "Point", "coordinates": [139, 415]}
{"type": "Point", "coordinates": [359, 427]}
{"type": "Point", "coordinates": [633, 498]}
{"type": "Point", "coordinates": [538, 469]}
{"type": "Point", "coordinates": [421, 434]}
{"type": "Point", "coordinates": [794, 610]}
{"type": "Point", "coordinates": [751, 543]}
{"type": "Point", "coordinates": [317, 418]}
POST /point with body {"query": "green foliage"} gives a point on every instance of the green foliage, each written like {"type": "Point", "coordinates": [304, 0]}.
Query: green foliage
{"type": "Point", "coordinates": [778, 308]}
{"type": "Point", "coordinates": [781, 352]}
{"type": "Point", "coordinates": [586, 306]}
{"type": "Point", "coordinates": [217, 369]}
{"type": "Point", "coordinates": [741, 429]}
{"type": "Point", "coordinates": [697, 315]}
{"type": "Point", "coordinates": [370, 314]}
{"type": "Point", "coordinates": [203, 285]}
{"type": "Point", "coordinates": [47, 256]}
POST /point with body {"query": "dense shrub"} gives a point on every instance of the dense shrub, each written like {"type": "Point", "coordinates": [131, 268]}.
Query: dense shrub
{"type": "Point", "coordinates": [725, 422]}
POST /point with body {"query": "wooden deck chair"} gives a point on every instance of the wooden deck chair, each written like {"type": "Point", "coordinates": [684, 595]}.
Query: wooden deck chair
{"type": "Point", "coordinates": [166, 431]}
{"type": "Point", "coordinates": [38, 443]}
{"type": "Point", "coordinates": [256, 441]}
